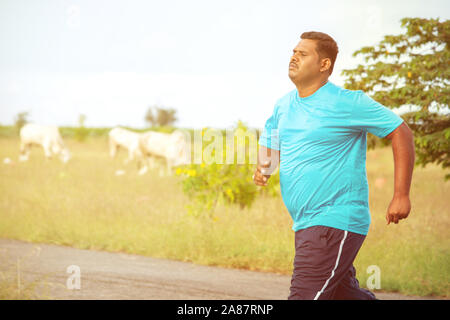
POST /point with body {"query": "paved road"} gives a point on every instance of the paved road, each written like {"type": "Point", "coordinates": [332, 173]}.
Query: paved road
{"type": "Point", "coordinates": [105, 275]}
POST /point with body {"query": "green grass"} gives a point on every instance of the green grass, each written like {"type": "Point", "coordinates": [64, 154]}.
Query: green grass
{"type": "Point", "coordinates": [85, 205]}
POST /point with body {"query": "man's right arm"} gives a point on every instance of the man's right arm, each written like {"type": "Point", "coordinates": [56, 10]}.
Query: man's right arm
{"type": "Point", "coordinates": [268, 152]}
{"type": "Point", "coordinates": [268, 161]}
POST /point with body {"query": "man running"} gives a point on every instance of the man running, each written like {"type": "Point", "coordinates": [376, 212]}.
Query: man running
{"type": "Point", "coordinates": [317, 133]}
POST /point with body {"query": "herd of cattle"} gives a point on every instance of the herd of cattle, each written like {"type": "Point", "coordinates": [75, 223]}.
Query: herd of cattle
{"type": "Point", "coordinates": [145, 148]}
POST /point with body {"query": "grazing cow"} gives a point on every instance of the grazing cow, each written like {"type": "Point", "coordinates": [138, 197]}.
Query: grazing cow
{"type": "Point", "coordinates": [129, 140]}
{"type": "Point", "coordinates": [46, 136]}
{"type": "Point", "coordinates": [173, 148]}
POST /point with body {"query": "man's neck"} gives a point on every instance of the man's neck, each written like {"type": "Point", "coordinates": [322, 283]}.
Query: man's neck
{"type": "Point", "coordinates": [305, 90]}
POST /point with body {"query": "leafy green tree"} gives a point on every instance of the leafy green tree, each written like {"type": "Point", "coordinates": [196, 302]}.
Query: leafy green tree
{"type": "Point", "coordinates": [412, 69]}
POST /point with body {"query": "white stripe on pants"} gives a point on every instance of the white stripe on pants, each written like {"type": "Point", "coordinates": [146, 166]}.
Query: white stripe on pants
{"type": "Point", "coordinates": [335, 267]}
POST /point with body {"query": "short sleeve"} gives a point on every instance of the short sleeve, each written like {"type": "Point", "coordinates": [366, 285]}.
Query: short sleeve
{"type": "Point", "coordinates": [371, 116]}
{"type": "Point", "coordinates": [269, 137]}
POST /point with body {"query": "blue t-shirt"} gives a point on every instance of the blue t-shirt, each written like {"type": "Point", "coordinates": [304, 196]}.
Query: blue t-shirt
{"type": "Point", "coordinates": [322, 143]}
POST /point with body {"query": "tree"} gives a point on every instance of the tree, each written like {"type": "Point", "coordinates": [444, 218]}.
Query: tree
{"type": "Point", "coordinates": [412, 69]}
{"type": "Point", "coordinates": [150, 117]}
{"type": "Point", "coordinates": [21, 120]}
{"type": "Point", "coordinates": [160, 116]}
{"type": "Point", "coordinates": [81, 120]}
{"type": "Point", "coordinates": [81, 133]}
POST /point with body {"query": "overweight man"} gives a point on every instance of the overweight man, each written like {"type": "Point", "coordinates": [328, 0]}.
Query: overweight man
{"type": "Point", "coordinates": [318, 135]}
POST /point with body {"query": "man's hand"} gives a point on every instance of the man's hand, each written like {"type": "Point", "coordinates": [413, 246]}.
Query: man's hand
{"type": "Point", "coordinates": [399, 208]}
{"type": "Point", "coordinates": [259, 177]}
{"type": "Point", "coordinates": [404, 158]}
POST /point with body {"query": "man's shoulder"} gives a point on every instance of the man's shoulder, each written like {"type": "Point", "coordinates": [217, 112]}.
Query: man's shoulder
{"type": "Point", "coordinates": [344, 95]}
{"type": "Point", "coordinates": [341, 90]}
{"type": "Point", "coordinates": [286, 99]}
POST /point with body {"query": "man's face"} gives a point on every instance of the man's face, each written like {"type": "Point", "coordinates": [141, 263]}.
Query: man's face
{"type": "Point", "coordinates": [304, 65]}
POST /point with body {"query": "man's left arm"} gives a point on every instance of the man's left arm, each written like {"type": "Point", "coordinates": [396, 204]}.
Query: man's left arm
{"type": "Point", "coordinates": [404, 157]}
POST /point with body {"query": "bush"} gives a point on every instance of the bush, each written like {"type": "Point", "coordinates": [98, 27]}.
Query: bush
{"type": "Point", "coordinates": [208, 184]}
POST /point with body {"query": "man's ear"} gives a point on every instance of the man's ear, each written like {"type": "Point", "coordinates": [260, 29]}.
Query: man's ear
{"type": "Point", "coordinates": [325, 65]}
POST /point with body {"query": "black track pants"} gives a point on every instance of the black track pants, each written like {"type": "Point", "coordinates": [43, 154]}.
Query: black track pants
{"type": "Point", "coordinates": [323, 265]}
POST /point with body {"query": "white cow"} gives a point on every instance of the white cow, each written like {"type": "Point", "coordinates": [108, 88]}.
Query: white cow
{"type": "Point", "coordinates": [129, 140]}
{"type": "Point", "coordinates": [46, 136]}
{"type": "Point", "coordinates": [174, 148]}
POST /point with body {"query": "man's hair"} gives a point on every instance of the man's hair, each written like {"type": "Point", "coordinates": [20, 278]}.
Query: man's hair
{"type": "Point", "coordinates": [326, 47]}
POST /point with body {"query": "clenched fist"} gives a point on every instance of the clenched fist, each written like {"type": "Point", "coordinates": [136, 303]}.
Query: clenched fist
{"type": "Point", "coordinates": [399, 209]}
{"type": "Point", "coordinates": [260, 177]}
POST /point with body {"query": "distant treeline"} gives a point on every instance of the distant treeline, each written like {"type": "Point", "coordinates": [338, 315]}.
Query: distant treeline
{"type": "Point", "coordinates": [86, 132]}
{"type": "Point", "coordinates": [74, 132]}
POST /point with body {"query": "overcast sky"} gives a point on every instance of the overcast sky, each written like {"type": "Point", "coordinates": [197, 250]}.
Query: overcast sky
{"type": "Point", "coordinates": [215, 62]}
